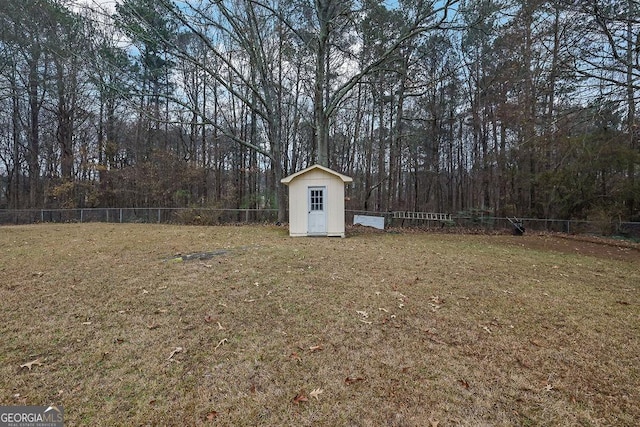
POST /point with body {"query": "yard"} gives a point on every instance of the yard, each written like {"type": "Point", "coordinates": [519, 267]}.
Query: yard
{"type": "Point", "coordinates": [176, 325]}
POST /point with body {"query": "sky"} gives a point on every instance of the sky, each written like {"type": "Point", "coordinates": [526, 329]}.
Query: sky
{"type": "Point", "coordinates": [108, 6]}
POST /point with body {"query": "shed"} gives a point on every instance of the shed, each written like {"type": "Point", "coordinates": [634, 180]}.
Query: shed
{"type": "Point", "coordinates": [316, 202]}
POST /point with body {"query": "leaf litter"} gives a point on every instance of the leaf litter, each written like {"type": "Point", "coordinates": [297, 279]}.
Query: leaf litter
{"type": "Point", "coordinates": [306, 312]}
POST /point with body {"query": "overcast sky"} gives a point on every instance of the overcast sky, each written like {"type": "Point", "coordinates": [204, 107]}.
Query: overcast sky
{"type": "Point", "coordinates": [108, 6]}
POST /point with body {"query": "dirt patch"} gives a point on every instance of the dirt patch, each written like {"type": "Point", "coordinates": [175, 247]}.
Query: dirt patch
{"type": "Point", "coordinates": [198, 256]}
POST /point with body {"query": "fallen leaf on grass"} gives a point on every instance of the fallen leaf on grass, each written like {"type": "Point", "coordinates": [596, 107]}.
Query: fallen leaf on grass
{"type": "Point", "coordinates": [464, 383]}
{"type": "Point", "coordinates": [175, 351]}
{"type": "Point", "coordinates": [86, 323]}
{"type": "Point", "coordinates": [153, 326]}
{"type": "Point", "coordinates": [548, 387]}
{"type": "Point", "coordinates": [300, 397]}
{"type": "Point", "coordinates": [315, 348]}
{"type": "Point", "coordinates": [295, 356]}
{"type": "Point", "coordinates": [486, 329]}
{"type": "Point", "coordinates": [30, 364]}
{"type": "Point", "coordinates": [222, 341]}
{"type": "Point", "coordinates": [211, 415]}
{"type": "Point", "coordinates": [351, 380]}
{"type": "Point", "coordinates": [220, 327]}
{"type": "Point", "coordinates": [436, 300]}
{"type": "Point", "coordinates": [316, 392]}
{"type": "Point", "coordinates": [208, 319]}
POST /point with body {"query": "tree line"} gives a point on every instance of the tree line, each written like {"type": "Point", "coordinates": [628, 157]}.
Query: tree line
{"type": "Point", "coordinates": [510, 107]}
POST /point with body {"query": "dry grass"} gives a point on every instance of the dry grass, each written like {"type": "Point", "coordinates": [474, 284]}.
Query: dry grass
{"type": "Point", "coordinates": [396, 329]}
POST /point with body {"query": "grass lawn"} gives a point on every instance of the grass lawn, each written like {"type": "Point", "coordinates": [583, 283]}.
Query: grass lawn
{"type": "Point", "coordinates": [407, 329]}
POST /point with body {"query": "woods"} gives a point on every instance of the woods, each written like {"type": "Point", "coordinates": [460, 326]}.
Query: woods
{"type": "Point", "coordinates": [513, 107]}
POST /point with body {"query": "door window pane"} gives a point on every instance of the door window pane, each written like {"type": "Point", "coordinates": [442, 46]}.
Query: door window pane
{"type": "Point", "coordinates": [317, 200]}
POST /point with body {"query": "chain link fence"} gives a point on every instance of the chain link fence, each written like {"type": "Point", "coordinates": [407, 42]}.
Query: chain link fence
{"type": "Point", "coordinates": [195, 216]}
{"type": "Point", "coordinates": [630, 230]}
{"type": "Point", "coordinates": [205, 216]}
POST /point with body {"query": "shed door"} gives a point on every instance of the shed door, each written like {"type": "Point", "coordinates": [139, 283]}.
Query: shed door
{"type": "Point", "coordinates": [317, 210]}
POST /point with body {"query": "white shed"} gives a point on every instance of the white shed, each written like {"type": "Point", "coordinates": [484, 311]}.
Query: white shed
{"type": "Point", "coordinates": [316, 202]}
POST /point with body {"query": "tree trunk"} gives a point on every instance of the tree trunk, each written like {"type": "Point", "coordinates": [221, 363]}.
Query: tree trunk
{"type": "Point", "coordinates": [34, 131]}
{"type": "Point", "coordinates": [321, 120]}
{"type": "Point", "coordinates": [64, 133]}
{"type": "Point", "coordinates": [631, 111]}
{"type": "Point", "coordinates": [13, 185]}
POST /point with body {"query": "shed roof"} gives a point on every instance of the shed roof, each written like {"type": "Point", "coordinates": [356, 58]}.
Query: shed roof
{"type": "Point", "coordinates": [290, 178]}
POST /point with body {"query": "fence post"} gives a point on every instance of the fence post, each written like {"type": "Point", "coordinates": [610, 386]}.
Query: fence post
{"type": "Point", "coordinates": [158, 215]}
{"type": "Point", "coordinates": [81, 215]}
{"type": "Point", "coordinates": [120, 215]}
{"type": "Point", "coordinates": [41, 215]}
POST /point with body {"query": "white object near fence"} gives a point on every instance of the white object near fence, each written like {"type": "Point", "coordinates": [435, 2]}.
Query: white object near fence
{"type": "Point", "coordinates": [369, 221]}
